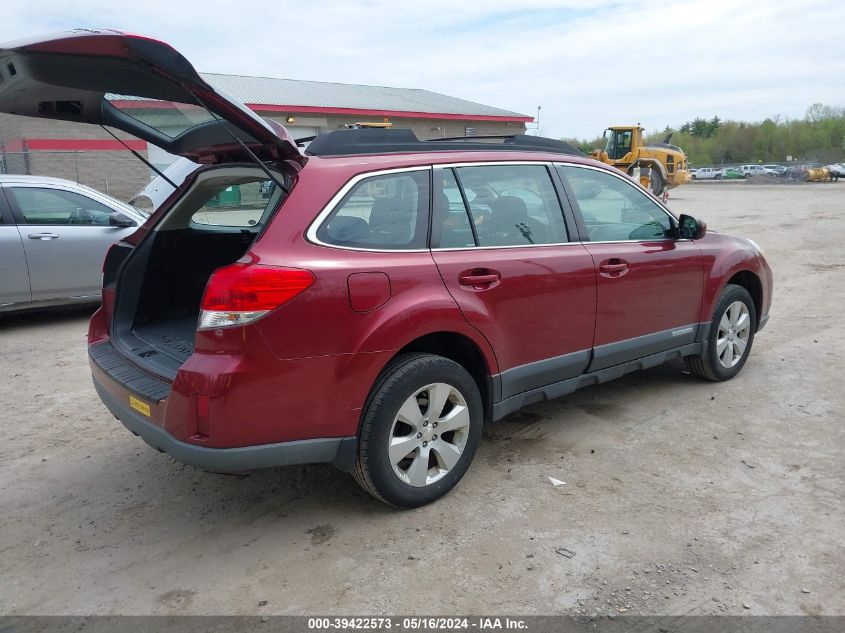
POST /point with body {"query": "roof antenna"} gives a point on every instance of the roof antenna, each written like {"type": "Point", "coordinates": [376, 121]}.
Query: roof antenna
{"type": "Point", "coordinates": [141, 158]}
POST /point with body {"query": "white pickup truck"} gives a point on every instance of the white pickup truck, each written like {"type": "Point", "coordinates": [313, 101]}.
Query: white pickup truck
{"type": "Point", "coordinates": [705, 173]}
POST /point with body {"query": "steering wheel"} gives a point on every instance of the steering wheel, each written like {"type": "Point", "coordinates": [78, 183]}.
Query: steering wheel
{"type": "Point", "coordinates": [80, 216]}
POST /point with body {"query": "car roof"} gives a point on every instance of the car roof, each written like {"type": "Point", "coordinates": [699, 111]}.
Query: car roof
{"type": "Point", "coordinates": [6, 178]}
{"type": "Point", "coordinates": [373, 162]}
{"type": "Point", "coordinates": [403, 140]}
{"type": "Point", "coordinates": [360, 164]}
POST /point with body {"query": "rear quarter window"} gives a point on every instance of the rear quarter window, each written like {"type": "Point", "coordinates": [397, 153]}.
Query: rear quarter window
{"type": "Point", "coordinates": [381, 212]}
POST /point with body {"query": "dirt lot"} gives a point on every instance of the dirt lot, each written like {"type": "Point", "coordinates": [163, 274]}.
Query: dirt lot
{"type": "Point", "coordinates": [681, 496]}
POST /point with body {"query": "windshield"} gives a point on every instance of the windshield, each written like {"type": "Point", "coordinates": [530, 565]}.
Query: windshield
{"type": "Point", "coordinates": [618, 143]}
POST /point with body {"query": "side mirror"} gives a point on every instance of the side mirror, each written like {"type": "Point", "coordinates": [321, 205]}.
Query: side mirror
{"type": "Point", "coordinates": [691, 229]}
{"type": "Point", "coordinates": [117, 219]}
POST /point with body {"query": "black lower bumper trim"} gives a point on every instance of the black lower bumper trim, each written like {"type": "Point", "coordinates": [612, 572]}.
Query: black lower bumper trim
{"type": "Point", "coordinates": [341, 450]}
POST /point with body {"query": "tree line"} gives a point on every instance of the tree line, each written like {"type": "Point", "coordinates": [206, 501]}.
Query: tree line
{"type": "Point", "coordinates": [818, 137]}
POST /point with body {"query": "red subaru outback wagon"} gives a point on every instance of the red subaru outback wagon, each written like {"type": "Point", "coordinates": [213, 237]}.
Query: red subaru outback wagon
{"type": "Point", "coordinates": [373, 300]}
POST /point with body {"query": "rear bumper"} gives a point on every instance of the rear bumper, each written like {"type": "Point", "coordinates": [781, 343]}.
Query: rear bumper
{"type": "Point", "coordinates": [339, 450]}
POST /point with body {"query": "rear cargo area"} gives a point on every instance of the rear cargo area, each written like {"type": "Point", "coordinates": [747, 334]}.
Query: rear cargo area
{"type": "Point", "coordinates": [161, 285]}
{"type": "Point", "coordinates": [177, 271]}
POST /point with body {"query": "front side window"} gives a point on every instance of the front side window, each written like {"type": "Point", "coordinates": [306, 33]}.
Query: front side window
{"type": "Point", "coordinates": [509, 205]}
{"type": "Point", "coordinates": [614, 209]}
{"type": "Point", "coordinates": [388, 211]}
{"type": "Point", "coordinates": [59, 207]}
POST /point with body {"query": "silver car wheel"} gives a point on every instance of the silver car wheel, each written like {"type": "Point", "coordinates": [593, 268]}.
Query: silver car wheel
{"type": "Point", "coordinates": [732, 338]}
{"type": "Point", "coordinates": [429, 434]}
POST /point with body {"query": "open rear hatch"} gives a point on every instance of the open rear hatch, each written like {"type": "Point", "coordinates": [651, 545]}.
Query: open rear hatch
{"type": "Point", "coordinates": [148, 89]}
{"type": "Point", "coordinates": [130, 82]}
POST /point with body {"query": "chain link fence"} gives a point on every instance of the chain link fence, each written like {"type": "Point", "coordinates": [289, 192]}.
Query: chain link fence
{"type": "Point", "coordinates": [115, 172]}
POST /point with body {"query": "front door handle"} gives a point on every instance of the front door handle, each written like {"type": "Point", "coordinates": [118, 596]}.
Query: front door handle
{"type": "Point", "coordinates": [43, 236]}
{"type": "Point", "coordinates": [613, 267]}
{"type": "Point", "coordinates": [479, 278]}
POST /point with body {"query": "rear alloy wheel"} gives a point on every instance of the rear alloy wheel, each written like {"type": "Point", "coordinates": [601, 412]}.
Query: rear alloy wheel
{"type": "Point", "coordinates": [730, 336]}
{"type": "Point", "coordinates": [421, 428]}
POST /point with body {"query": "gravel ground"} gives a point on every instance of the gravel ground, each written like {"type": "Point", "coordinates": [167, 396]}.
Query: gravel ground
{"type": "Point", "coordinates": [681, 496]}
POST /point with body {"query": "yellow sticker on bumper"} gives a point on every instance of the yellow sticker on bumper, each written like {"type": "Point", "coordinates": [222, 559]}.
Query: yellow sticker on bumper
{"type": "Point", "coordinates": [139, 405]}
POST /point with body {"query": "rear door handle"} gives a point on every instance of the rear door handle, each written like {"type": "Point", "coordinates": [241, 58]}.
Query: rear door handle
{"type": "Point", "coordinates": [479, 278]}
{"type": "Point", "coordinates": [43, 236]}
{"type": "Point", "coordinates": [614, 267]}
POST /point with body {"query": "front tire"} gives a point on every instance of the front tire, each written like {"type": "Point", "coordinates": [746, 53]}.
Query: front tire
{"type": "Point", "coordinates": [730, 337]}
{"type": "Point", "coordinates": [657, 182]}
{"type": "Point", "coordinates": [420, 430]}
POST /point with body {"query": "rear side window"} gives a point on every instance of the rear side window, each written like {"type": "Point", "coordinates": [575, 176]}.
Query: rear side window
{"type": "Point", "coordinates": [509, 205]}
{"type": "Point", "coordinates": [384, 212]}
{"type": "Point", "coordinates": [59, 207]}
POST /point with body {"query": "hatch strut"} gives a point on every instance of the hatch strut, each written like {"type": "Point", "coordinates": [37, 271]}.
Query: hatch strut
{"type": "Point", "coordinates": [252, 155]}
{"type": "Point", "coordinates": [141, 158]}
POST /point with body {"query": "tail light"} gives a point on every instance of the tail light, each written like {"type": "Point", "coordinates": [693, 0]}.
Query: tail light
{"type": "Point", "coordinates": [241, 293]}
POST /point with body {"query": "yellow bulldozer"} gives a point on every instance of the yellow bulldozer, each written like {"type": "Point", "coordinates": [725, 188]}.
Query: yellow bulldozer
{"type": "Point", "coordinates": [660, 165]}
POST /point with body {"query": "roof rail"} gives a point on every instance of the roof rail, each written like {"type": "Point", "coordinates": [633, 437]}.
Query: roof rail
{"type": "Point", "coordinates": [375, 141]}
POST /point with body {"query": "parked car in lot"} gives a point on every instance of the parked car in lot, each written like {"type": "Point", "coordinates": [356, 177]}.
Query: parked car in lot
{"type": "Point", "coordinates": [748, 171]}
{"type": "Point", "coordinates": [705, 173]}
{"type": "Point", "coordinates": [837, 171]}
{"type": "Point", "coordinates": [730, 173]}
{"type": "Point", "coordinates": [370, 312]}
{"type": "Point", "coordinates": [54, 235]}
{"type": "Point", "coordinates": [776, 170]}
{"type": "Point", "coordinates": [151, 196]}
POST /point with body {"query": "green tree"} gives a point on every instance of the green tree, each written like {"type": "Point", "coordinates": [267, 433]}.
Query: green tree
{"type": "Point", "coordinates": [819, 136]}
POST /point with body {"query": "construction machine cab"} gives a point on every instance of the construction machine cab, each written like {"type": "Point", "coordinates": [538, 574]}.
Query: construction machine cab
{"type": "Point", "coordinates": [620, 142]}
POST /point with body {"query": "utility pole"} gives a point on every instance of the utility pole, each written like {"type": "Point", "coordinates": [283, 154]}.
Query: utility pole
{"type": "Point", "coordinates": [537, 121]}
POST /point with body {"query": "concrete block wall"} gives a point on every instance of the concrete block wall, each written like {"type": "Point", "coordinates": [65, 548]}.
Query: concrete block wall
{"type": "Point", "coordinates": [116, 172]}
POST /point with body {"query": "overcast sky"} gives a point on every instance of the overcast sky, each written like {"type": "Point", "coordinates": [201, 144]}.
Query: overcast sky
{"type": "Point", "coordinates": [589, 64]}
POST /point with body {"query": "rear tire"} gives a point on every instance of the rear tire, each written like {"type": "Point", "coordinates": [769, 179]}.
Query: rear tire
{"type": "Point", "coordinates": [420, 429]}
{"type": "Point", "coordinates": [730, 337]}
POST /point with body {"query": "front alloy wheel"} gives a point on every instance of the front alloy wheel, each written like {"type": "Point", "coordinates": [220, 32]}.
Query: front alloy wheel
{"type": "Point", "coordinates": [729, 338]}
{"type": "Point", "coordinates": [734, 332]}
